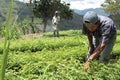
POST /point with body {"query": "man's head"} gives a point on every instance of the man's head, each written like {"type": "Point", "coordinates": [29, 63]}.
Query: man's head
{"type": "Point", "coordinates": [90, 19]}
{"type": "Point", "coordinates": [56, 12]}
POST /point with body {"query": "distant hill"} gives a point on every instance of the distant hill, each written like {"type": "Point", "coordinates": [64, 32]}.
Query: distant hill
{"type": "Point", "coordinates": [75, 23]}
{"type": "Point", "coordinates": [98, 10]}
{"type": "Point", "coordinates": [20, 9]}
{"type": "Point", "coordinates": [3, 9]}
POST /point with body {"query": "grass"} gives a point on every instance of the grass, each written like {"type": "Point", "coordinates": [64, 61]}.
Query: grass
{"type": "Point", "coordinates": [52, 58]}
{"type": "Point", "coordinates": [6, 44]}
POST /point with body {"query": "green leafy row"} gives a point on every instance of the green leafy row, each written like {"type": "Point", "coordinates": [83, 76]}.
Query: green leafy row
{"type": "Point", "coordinates": [39, 44]}
{"type": "Point", "coordinates": [58, 59]}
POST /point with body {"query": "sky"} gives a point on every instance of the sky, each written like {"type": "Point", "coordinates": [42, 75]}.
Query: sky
{"type": "Point", "coordinates": [84, 4]}
{"type": "Point", "coordinates": [81, 4]}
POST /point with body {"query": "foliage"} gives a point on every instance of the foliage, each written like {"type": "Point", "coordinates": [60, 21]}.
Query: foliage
{"type": "Point", "coordinates": [45, 9]}
{"type": "Point", "coordinates": [52, 58]}
{"type": "Point", "coordinates": [20, 12]}
{"type": "Point", "coordinates": [113, 7]}
{"type": "Point", "coordinates": [6, 43]}
{"type": "Point", "coordinates": [39, 44]}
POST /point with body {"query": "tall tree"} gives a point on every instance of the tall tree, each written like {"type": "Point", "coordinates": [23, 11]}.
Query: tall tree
{"type": "Point", "coordinates": [45, 9]}
{"type": "Point", "coordinates": [113, 8]}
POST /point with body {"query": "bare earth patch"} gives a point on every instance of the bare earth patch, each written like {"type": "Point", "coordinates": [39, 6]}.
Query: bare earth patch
{"type": "Point", "coordinates": [36, 35]}
{"type": "Point", "coordinates": [29, 36]}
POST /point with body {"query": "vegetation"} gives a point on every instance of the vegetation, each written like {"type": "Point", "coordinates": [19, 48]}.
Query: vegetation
{"type": "Point", "coordinates": [25, 21]}
{"type": "Point", "coordinates": [113, 7]}
{"type": "Point", "coordinates": [52, 58]}
{"type": "Point", "coordinates": [19, 9]}
{"type": "Point", "coordinates": [21, 20]}
{"type": "Point", "coordinates": [6, 43]}
{"type": "Point", "coordinates": [45, 9]}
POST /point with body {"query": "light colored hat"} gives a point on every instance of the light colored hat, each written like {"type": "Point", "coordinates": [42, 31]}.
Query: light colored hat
{"type": "Point", "coordinates": [90, 17]}
{"type": "Point", "coordinates": [56, 11]}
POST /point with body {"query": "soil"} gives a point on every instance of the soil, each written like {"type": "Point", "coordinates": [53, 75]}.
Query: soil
{"type": "Point", "coordinates": [36, 35]}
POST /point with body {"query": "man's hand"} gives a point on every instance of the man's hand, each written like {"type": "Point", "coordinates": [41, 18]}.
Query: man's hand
{"type": "Point", "coordinates": [86, 66]}
{"type": "Point", "coordinates": [54, 23]}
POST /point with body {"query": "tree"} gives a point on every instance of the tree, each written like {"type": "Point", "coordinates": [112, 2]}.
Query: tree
{"type": "Point", "coordinates": [45, 9]}
{"type": "Point", "coordinates": [113, 8]}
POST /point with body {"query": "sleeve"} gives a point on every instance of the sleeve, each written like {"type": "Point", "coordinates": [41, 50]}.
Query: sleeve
{"type": "Point", "coordinates": [53, 20]}
{"type": "Point", "coordinates": [106, 33]}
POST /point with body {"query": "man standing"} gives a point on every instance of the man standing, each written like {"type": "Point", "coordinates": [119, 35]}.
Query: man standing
{"type": "Point", "coordinates": [55, 21]}
{"type": "Point", "coordinates": [101, 33]}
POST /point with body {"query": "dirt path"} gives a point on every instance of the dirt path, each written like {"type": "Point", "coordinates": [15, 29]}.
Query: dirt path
{"type": "Point", "coordinates": [36, 35]}
{"type": "Point", "coordinates": [29, 36]}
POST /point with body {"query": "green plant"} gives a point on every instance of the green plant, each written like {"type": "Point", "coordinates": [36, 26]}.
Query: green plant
{"type": "Point", "coordinates": [7, 43]}
{"type": "Point", "coordinates": [50, 58]}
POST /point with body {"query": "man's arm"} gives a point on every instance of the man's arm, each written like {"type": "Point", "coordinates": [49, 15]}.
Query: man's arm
{"type": "Point", "coordinates": [94, 55]}
{"type": "Point", "coordinates": [91, 46]}
{"type": "Point", "coordinates": [97, 51]}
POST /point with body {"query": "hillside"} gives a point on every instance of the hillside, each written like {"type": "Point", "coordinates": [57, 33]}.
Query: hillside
{"type": "Point", "coordinates": [19, 9]}
{"type": "Point", "coordinates": [3, 9]}
{"type": "Point", "coordinates": [99, 11]}
{"type": "Point", "coordinates": [75, 23]}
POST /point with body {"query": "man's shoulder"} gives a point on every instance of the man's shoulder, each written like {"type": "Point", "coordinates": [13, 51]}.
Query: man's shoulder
{"type": "Point", "coordinates": [53, 16]}
{"type": "Point", "coordinates": [105, 19]}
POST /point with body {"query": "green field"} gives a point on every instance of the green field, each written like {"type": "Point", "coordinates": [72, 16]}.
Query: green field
{"type": "Point", "coordinates": [57, 58]}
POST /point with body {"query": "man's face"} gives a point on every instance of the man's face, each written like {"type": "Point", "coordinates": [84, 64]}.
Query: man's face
{"type": "Point", "coordinates": [91, 27]}
{"type": "Point", "coordinates": [56, 14]}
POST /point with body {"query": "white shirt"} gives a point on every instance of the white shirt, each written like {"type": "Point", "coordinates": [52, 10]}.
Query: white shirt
{"type": "Point", "coordinates": [56, 20]}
